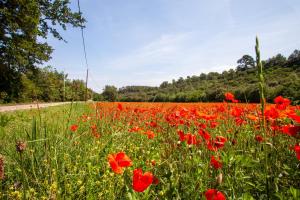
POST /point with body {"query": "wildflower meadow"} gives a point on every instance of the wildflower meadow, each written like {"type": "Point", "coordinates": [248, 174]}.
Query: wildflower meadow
{"type": "Point", "coordinates": [147, 100]}
{"type": "Point", "coordinates": [152, 151]}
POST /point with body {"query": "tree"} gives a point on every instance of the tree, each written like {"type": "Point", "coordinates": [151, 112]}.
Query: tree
{"type": "Point", "coordinates": [202, 76]}
{"type": "Point", "coordinates": [278, 60]}
{"type": "Point", "coordinates": [164, 84]}
{"type": "Point", "coordinates": [294, 58]}
{"type": "Point", "coordinates": [25, 24]}
{"type": "Point", "coordinates": [97, 97]}
{"type": "Point", "coordinates": [29, 89]}
{"type": "Point", "coordinates": [212, 75]}
{"type": "Point", "coordinates": [244, 63]}
{"type": "Point", "coordinates": [110, 93]}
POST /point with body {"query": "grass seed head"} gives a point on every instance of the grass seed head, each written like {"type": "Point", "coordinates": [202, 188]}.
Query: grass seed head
{"type": "Point", "coordinates": [21, 146]}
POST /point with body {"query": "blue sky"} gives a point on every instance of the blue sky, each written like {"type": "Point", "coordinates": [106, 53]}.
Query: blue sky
{"type": "Point", "coordinates": [145, 42]}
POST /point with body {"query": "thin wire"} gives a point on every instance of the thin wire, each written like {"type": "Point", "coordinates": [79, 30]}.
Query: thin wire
{"type": "Point", "coordinates": [85, 54]}
{"type": "Point", "coordinates": [95, 82]}
{"type": "Point", "coordinates": [83, 39]}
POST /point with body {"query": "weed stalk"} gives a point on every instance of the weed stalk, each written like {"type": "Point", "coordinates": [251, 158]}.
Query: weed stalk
{"type": "Point", "coordinates": [261, 83]}
{"type": "Point", "coordinates": [262, 106]}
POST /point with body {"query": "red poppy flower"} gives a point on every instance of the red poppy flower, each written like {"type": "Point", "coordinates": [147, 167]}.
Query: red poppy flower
{"type": "Point", "coordinates": [217, 143]}
{"type": "Point", "coordinates": [96, 135]}
{"type": "Point", "coordinates": [220, 141]}
{"type": "Point", "coordinates": [155, 180]}
{"type": "Point", "coordinates": [205, 135]}
{"type": "Point", "coordinates": [213, 194]}
{"type": "Point", "coordinates": [294, 116]}
{"type": "Point", "coordinates": [215, 162]}
{"type": "Point", "coordinates": [297, 150]}
{"type": "Point", "coordinates": [239, 121]}
{"type": "Point", "coordinates": [291, 130]}
{"type": "Point", "coordinates": [271, 113]}
{"type": "Point", "coordinates": [202, 126]}
{"type": "Point", "coordinates": [213, 124]}
{"type": "Point", "coordinates": [191, 139]}
{"type": "Point", "coordinates": [135, 129]}
{"type": "Point", "coordinates": [141, 181]}
{"type": "Point", "coordinates": [74, 127]}
{"type": "Point", "coordinates": [94, 131]}
{"type": "Point", "coordinates": [94, 127]}
{"type": "Point", "coordinates": [229, 96]}
{"type": "Point", "coordinates": [259, 138]}
{"type": "Point", "coordinates": [120, 107]}
{"type": "Point", "coordinates": [210, 146]}
{"type": "Point", "coordinates": [237, 112]}
{"type": "Point", "coordinates": [181, 135]}
{"type": "Point", "coordinates": [118, 161]}
{"type": "Point", "coordinates": [153, 124]}
{"type": "Point", "coordinates": [150, 134]}
{"type": "Point", "coordinates": [281, 103]}
{"type": "Point", "coordinates": [252, 117]}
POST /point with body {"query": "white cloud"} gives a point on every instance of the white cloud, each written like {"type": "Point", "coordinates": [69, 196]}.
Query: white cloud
{"type": "Point", "coordinates": [186, 54]}
{"type": "Point", "coordinates": [158, 52]}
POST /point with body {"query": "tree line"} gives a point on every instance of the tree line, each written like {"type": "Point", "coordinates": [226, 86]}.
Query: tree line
{"type": "Point", "coordinates": [281, 76]}
{"type": "Point", "coordinates": [48, 85]}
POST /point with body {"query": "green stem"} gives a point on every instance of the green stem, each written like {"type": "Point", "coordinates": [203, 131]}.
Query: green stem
{"type": "Point", "coordinates": [261, 83]}
{"type": "Point", "coordinates": [262, 106]}
{"type": "Point", "coordinates": [23, 176]}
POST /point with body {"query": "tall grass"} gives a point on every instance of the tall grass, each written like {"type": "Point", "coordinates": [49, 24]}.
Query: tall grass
{"type": "Point", "coordinates": [262, 105]}
{"type": "Point", "coordinates": [261, 82]}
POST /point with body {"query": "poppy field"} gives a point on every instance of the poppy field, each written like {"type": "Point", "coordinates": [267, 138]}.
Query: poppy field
{"type": "Point", "coordinates": [103, 150]}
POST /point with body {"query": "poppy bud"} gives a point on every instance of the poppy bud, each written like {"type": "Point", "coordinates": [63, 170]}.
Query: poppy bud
{"type": "Point", "coordinates": [1, 167]}
{"type": "Point", "coordinates": [21, 146]}
{"type": "Point", "coordinates": [153, 162]}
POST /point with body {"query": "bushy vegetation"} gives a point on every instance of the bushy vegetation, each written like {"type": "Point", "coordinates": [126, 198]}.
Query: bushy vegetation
{"type": "Point", "coordinates": [282, 77]}
{"type": "Point", "coordinates": [48, 85]}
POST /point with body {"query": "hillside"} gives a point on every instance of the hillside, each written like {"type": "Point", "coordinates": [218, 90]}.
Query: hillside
{"type": "Point", "coordinates": [281, 76]}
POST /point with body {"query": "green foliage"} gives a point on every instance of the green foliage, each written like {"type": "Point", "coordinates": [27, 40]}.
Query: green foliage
{"type": "Point", "coordinates": [246, 62]}
{"type": "Point", "coordinates": [281, 77]}
{"type": "Point", "coordinates": [23, 21]}
{"type": "Point", "coordinates": [278, 60]}
{"type": "Point", "coordinates": [97, 97]}
{"type": "Point", "coordinates": [48, 85]}
{"type": "Point", "coordinates": [110, 93]}
{"type": "Point", "coordinates": [294, 58]}
{"type": "Point", "coordinates": [25, 24]}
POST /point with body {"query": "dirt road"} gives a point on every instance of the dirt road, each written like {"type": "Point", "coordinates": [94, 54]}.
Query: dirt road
{"type": "Point", "coordinates": [29, 106]}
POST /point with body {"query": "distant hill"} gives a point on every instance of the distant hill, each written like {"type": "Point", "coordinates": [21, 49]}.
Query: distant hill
{"type": "Point", "coordinates": [282, 77]}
